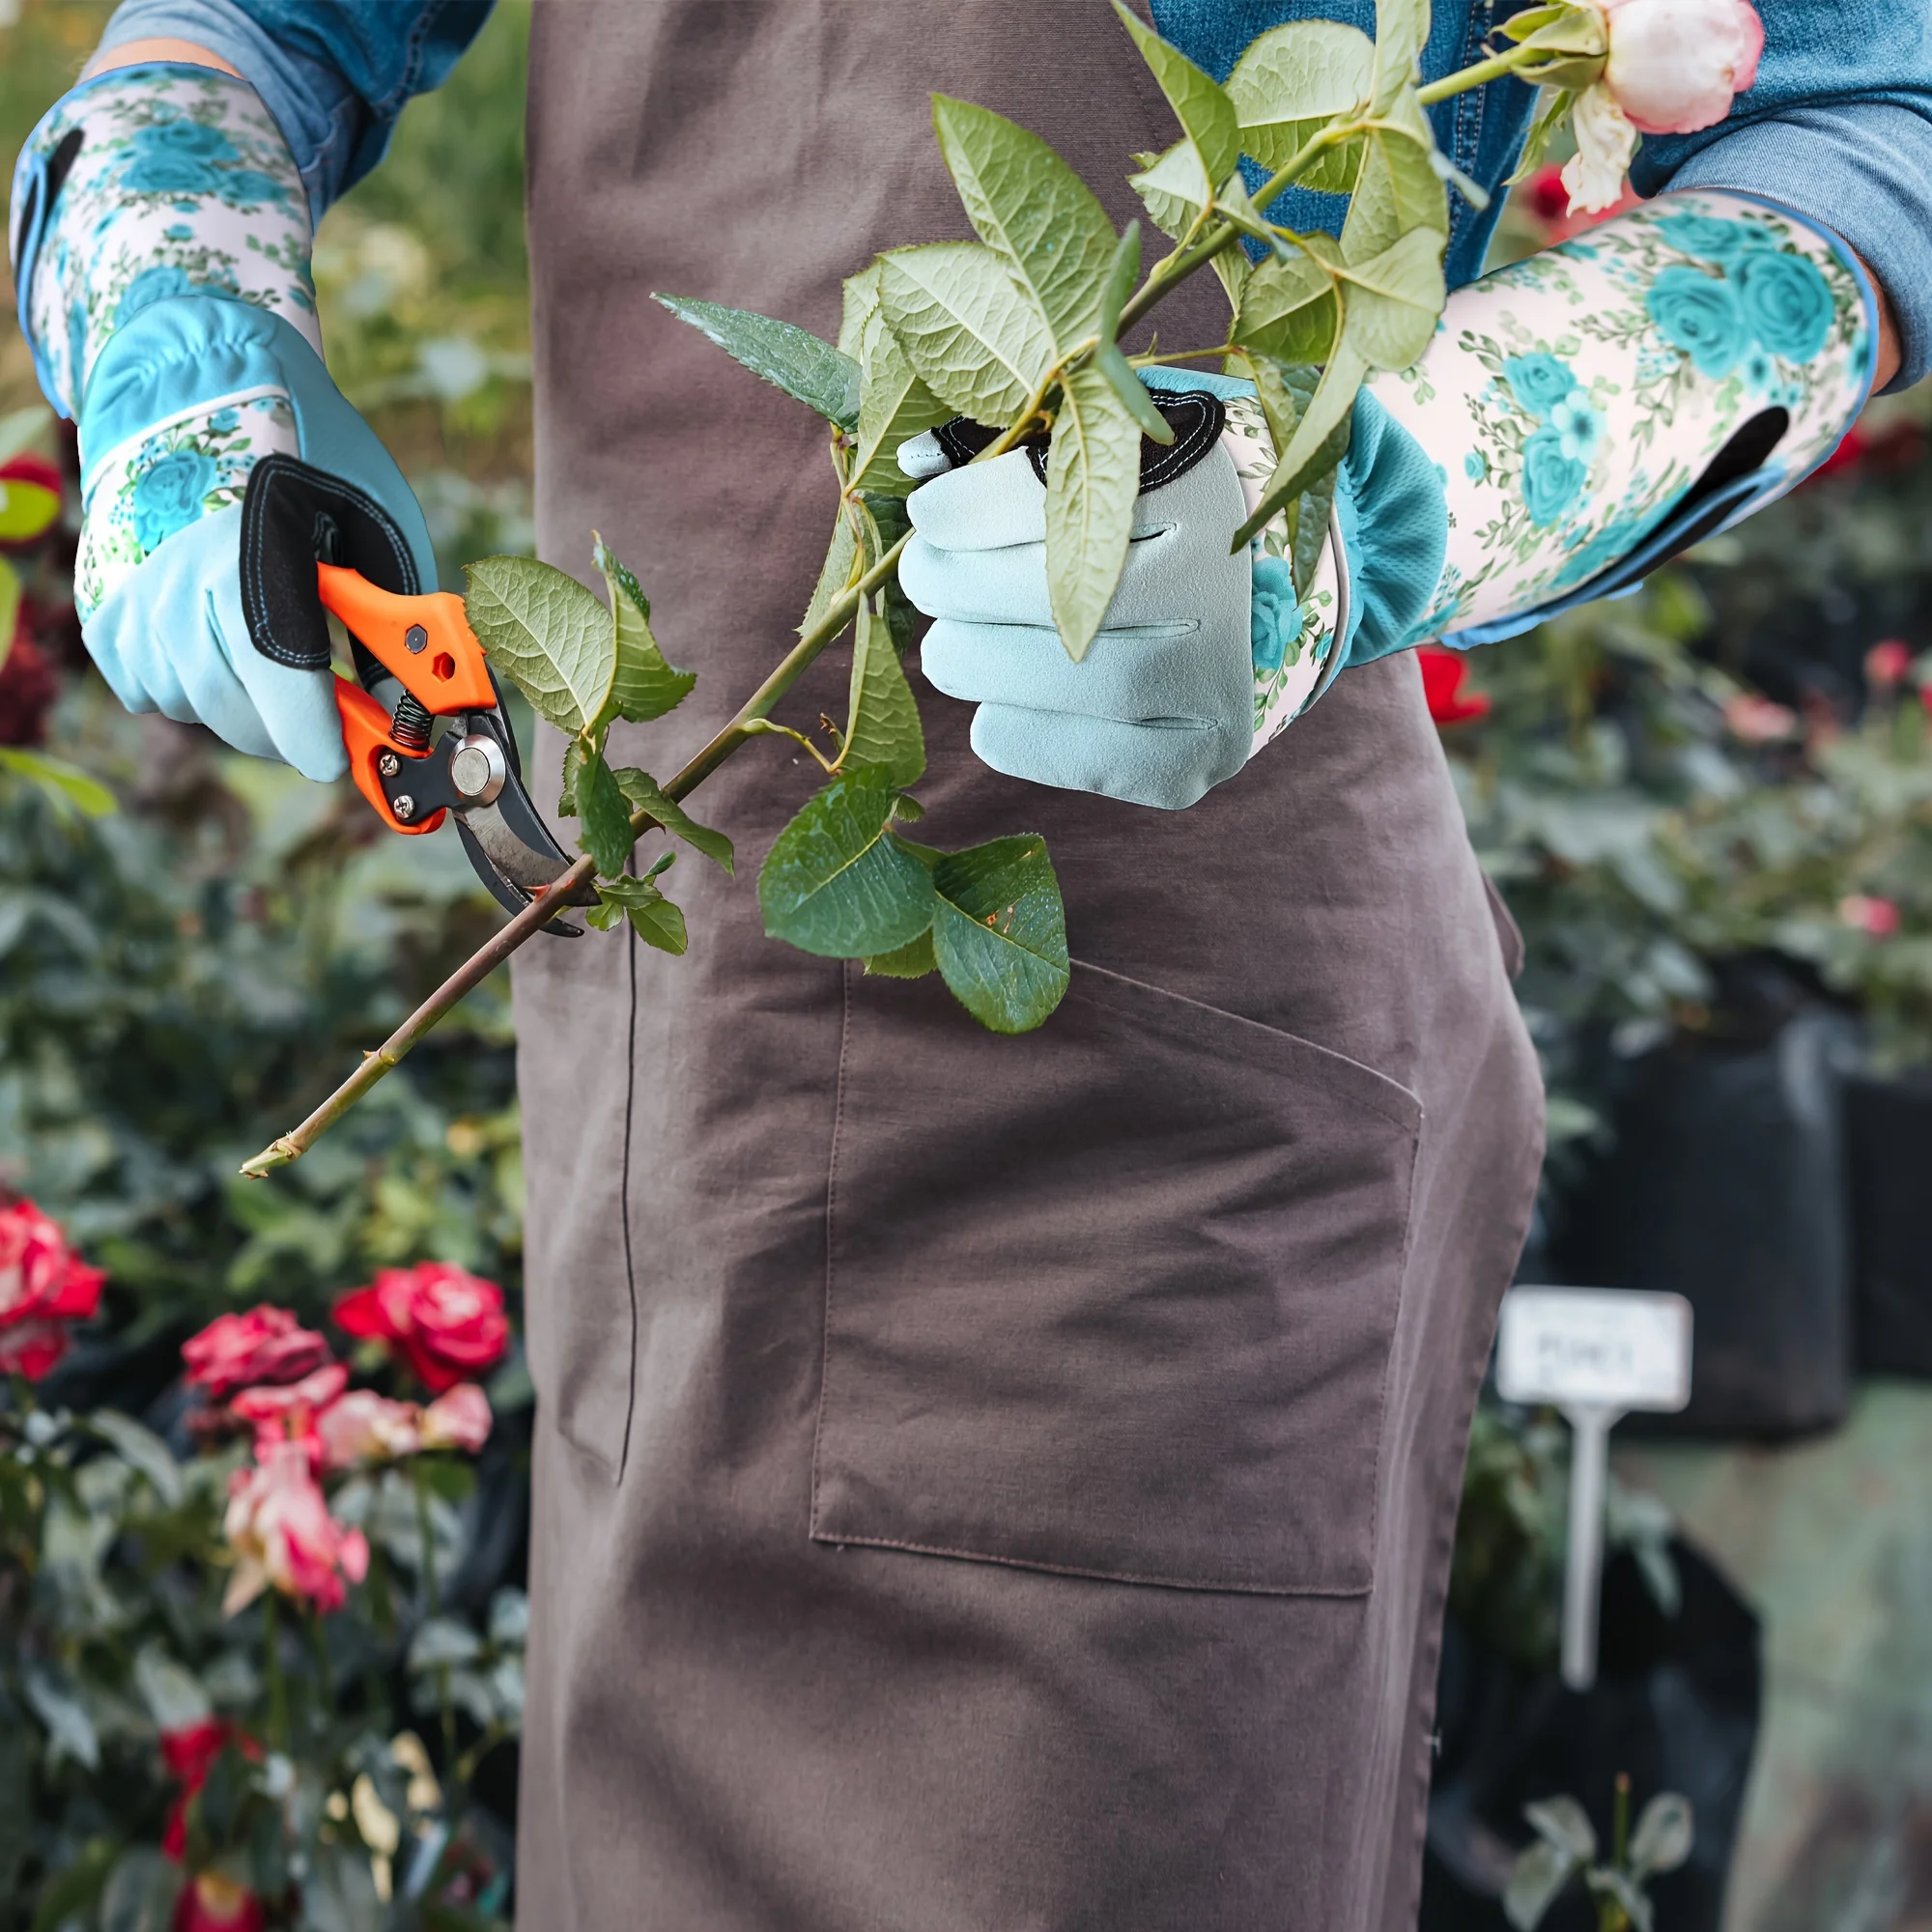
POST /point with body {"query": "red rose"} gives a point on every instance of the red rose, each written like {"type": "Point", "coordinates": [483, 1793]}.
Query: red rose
{"type": "Point", "coordinates": [43, 1284]}
{"type": "Point", "coordinates": [265, 1345]}
{"type": "Point", "coordinates": [448, 1324]}
{"type": "Point", "coordinates": [189, 1755]}
{"type": "Point", "coordinates": [290, 1413]}
{"type": "Point", "coordinates": [1443, 673]}
{"type": "Point", "coordinates": [28, 688]}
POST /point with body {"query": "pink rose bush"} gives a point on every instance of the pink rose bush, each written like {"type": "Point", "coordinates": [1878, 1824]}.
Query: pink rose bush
{"type": "Point", "coordinates": [45, 1287]}
{"type": "Point", "coordinates": [282, 1532]}
{"type": "Point", "coordinates": [265, 1345]}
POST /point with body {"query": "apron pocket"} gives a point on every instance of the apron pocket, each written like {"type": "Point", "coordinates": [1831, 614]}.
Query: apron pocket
{"type": "Point", "coordinates": [1116, 1298]}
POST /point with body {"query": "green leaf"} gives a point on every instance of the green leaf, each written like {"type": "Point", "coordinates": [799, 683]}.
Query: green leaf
{"type": "Point", "coordinates": [141, 1892]}
{"type": "Point", "coordinates": [655, 919]}
{"type": "Point", "coordinates": [885, 520]}
{"type": "Point", "coordinates": [67, 786]}
{"type": "Point", "coordinates": [592, 795]}
{"type": "Point", "coordinates": [999, 933]}
{"type": "Point", "coordinates": [645, 685]}
{"type": "Point", "coordinates": [837, 883]}
{"type": "Point", "coordinates": [1540, 1873]}
{"type": "Point", "coordinates": [61, 1895]}
{"type": "Point", "coordinates": [1311, 526]}
{"type": "Point", "coordinates": [1291, 307]}
{"type": "Point", "coordinates": [1290, 83]}
{"type": "Point", "coordinates": [646, 795]}
{"type": "Point", "coordinates": [834, 574]}
{"type": "Point", "coordinates": [1108, 359]}
{"type": "Point", "coordinates": [912, 960]}
{"type": "Point", "coordinates": [975, 341]}
{"type": "Point", "coordinates": [1204, 110]}
{"type": "Point", "coordinates": [1552, 113]}
{"type": "Point", "coordinates": [1401, 27]}
{"type": "Point", "coordinates": [1398, 188]}
{"type": "Point", "coordinates": [1174, 187]}
{"type": "Point", "coordinates": [793, 359]}
{"type": "Point", "coordinates": [142, 1449]}
{"type": "Point", "coordinates": [1563, 1823]}
{"type": "Point", "coordinates": [895, 404]}
{"type": "Point", "coordinates": [882, 726]}
{"type": "Point", "coordinates": [860, 302]}
{"type": "Point", "coordinates": [9, 608]}
{"type": "Point", "coordinates": [544, 632]}
{"type": "Point", "coordinates": [1664, 1835]}
{"type": "Point", "coordinates": [1029, 207]}
{"type": "Point", "coordinates": [1395, 300]}
{"type": "Point", "coordinates": [1093, 475]}
{"type": "Point", "coordinates": [1319, 440]}
{"type": "Point", "coordinates": [26, 509]}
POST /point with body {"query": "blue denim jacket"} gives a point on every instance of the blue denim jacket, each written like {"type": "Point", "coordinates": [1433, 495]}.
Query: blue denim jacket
{"type": "Point", "coordinates": [1839, 126]}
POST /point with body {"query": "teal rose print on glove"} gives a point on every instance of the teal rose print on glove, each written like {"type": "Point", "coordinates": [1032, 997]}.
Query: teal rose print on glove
{"type": "Point", "coordinates": [1556, 457]}
{"type": "Point", "coordinates": [1786, 303]}
{"type": "Point", "coordinates": [169, 498]}
{"type": "Point", "coordinates": [1551, 479]}
{"type": "Point", "coordinates": [152, 285]}
{"type": "Point", "coordinates": [1713, 239]}
{"type": "Point", "coordinates": [1539, 381]}
{"type": "Point", "coordinates": [175, 157]}
{"type": "Point", "coordinates": [1701, 315]}
{"type": "Point", "coordinates": [1275, 621]}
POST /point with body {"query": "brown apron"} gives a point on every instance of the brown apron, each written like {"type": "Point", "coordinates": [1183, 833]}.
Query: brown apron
{"type": "Point", "coordinates": [982, 1484]}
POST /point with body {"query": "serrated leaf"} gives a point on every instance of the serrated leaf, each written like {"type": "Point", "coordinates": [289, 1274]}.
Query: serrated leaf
{"type": "Point", "coordinates": [1174, 188]}
{"type": "Point", "coordinates": [653, 918]}
{"type": "Point", "coordinates": [895, 404]}
{"type": "Point", "coordinates": [1540, 1873]}
{"type": "Point", "coordinates": [1204, 110]}
{"type": "Point", "coordinates": [974, 340]}
{"type": "Point", "coordinates": [1395, 300]}
{"type": "Point", "coordinates": [1032, 209]}
{"type": "Point", "coordinates": [645, 794]}
{"type": "Point", "coordinates": [1663, 1835]}
{"type": "Point", "coordinates": [645, 685]}
{"type": "Point", "coordinates": [1291, 307]}
{"type": "Point", "coordinates": [1319, 440]}
{"type": "Point", "coordinates": [834, 574]}
{"type": "Point", "coordinates": [837, 883]}
{"type": "Point", "coordinates": [999, 933]}
{"type": "Point", "coordinates": [547, 634]}
{"type": "Point", "coordinates": [807, 368]}
{"type": "Point", "coordinates": [592, 795]}
{"type": "Point", "coordinates": [882, 724]}
{"type": "Point", "coordinates": [1291, 83]}
{"type": "Point", "coordinates": [1398, 188]}
{"type": "Point", "coordinates": [1402, 28]}
{"type": "Point", "coordinates": [912, 961]}
{"type": "Point", "coordinates": [1093, 476]}
{"type": "Point", "coordinates": [860, 302]}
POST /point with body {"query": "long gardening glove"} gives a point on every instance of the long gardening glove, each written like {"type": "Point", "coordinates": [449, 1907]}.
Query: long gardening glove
{"type": "Point", "coordinates": [161, 251]}
{"type": "Point", "coordinates": [1578, 418]}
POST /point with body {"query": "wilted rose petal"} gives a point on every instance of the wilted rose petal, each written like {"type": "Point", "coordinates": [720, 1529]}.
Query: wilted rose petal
{"type": "Point", "coordinates": [1606, 141]}
{"type": "Point", "coordinates": [460, 1419]}
{"type": "Point", "coordinates": [265, 1345]}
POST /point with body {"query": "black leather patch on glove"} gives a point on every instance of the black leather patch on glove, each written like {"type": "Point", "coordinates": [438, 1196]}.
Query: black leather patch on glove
{"type": "Point", "coordinates": [1196, 417]}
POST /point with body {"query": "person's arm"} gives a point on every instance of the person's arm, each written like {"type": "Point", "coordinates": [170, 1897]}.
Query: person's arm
{"type": "Point", "coordinates": [1839, 126]}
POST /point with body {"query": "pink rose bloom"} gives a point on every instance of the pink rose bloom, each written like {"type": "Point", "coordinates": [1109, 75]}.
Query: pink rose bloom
{"type": "Point", "coordinates": [43, 1284]}
{"type": "Point", "coordinates": [265, 1345]}
{"type": "Point", "coordinates": [459, 1419]}
{"type": "Point", "coordinates": [289, 1415]}
{"type": "Point", "coordinates": [364, 1426]}
{"type": "Point", "coordinates": [1887, 664]}
{"type": "Point", "coordinates": [1876, 917]}
{"type": "Point", "coordinates": [1674, 64]}
{"type": "Point", "coordinates": [1755, 720]}
{"type": "Point", "coordinates": [446, 1323]}
{"type": "Point", "coordinates": [282, 1532]}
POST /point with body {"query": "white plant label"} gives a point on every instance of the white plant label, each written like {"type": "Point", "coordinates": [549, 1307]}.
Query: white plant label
{"type": "Point", "coordinates": [1617, 1348]}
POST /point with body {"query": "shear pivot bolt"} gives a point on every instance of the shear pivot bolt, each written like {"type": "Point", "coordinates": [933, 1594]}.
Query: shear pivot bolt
{"type": "Point", "coordinates": [404, 807]}
{"type": "Point", "coordinates": [388, 764]}
{"type": "Point", "coordinates": [479, 768]}
{"type": "Point", "coordinates": [414, 639]}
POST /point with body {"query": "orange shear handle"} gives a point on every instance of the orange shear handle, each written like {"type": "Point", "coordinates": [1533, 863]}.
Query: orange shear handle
{"type": "Point", "coordinates": [424, 640]}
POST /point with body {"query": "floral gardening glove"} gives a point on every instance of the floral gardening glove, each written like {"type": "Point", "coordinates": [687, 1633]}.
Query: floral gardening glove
{"type": "Point", "coordinates": [162, 248]}
{"type": "Point", "coordinates": [1578, 418]}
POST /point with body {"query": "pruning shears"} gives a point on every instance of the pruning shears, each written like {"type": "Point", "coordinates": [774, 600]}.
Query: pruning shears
{"type": "Point", "coordinates": [422, 645]}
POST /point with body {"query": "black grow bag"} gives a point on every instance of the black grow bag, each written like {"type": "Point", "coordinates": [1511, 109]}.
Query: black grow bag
{"type": "Point", "coordinates": [1725, 1186]}
{"type": "Point", "coordinates": [1675, 1705]}
{"type": "Point", "coordinates": [1888, 1159]}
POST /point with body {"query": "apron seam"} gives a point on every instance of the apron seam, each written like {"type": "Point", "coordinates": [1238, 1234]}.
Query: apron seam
{"type": "Point", "coordinates": [831, 1215]}
{"type": "Point", "coordinates": [624, 1206]}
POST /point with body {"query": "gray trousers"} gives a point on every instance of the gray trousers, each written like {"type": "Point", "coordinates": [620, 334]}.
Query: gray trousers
{"type": "Point", "coordinates": [982, 1484]}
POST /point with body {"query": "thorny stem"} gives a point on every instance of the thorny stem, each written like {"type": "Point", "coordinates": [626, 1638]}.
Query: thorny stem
{"type": "Point", "coordinates": [1166, 274]}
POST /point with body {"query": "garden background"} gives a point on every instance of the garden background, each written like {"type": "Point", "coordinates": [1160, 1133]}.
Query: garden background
{"type": "Point", "coordinates": [1708, 806]}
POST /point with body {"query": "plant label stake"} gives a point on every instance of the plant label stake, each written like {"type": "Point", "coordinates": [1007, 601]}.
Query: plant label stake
{"type": "Point", "coordinates": [1595, 1353]}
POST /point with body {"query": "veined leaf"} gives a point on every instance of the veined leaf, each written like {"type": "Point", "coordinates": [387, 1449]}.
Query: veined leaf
{"type": "Point", "coordinates": [1205, 114]}
{"type": "Point", "coordinates": [645, 685]}
{"type": "Point", "coordinates": [1290, 83]}
{"type": "Point", "coordinates": [882, 726]}
{"type": "Point", "coordinates": [999, 932]}
{"type": "Point", "coordinates": [1029, 207]}
{"type": "Point", "coordinates": [1319, 439]}
{"type": "Point", "coordinates": [895, 404]}
{"type": "Point", "coordinates": [1174, 187]}
{"type": "Point", "coordinates": [912, 961]}
{"type": "Point", "coordinates": [546, 634]}
{"type": "Point", "coordinates": [973, 339]}
{"type": "Point", "coordinates": [1398, 188]}
{"type": "Point", "coordinates": [860, 302]}
{"type": "Point", "coordinates": [1093, 476]}
{"type": "Point", "coordinates": [643, 793]}
{"type": "Point", "coordinates": [834, 574]}
{"type": "Point", "coordinates": [791, 359]}
{"type": "Point", "coordinates": [882, 521]}
{"type": "Point", "coordinates": [1401, 27]}
{"type": "Point", "coordinates": [837, 882]}
{"type": "Point", "coordinates": [592, 795]}
{"type": "Point", "coordinates": [654, 919]}
{"type": "Point", "coordinates": [1108, 359]}
{"type": "Point", "coordinates": [9, 608]}
{"type": "Point", "coordinates": [1395, 300]}
{"type": "Point", "coordinates": [1291, 307]}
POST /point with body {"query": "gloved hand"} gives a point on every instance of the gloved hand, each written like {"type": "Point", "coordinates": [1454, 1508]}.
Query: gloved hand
{"type": "Point", "coordinates": [161, 252]}
{"type": "Point", "coordinates": [1481, 490]}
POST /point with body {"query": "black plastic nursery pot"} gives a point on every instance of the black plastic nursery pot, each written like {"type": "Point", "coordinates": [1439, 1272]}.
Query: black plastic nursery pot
{"type": "Point", "coordinates": [1675, 1706]}
{"type": "Point", "coordinates": [1726, 1185]}
{"type": "Point", "coordinates": [1889, 1162]}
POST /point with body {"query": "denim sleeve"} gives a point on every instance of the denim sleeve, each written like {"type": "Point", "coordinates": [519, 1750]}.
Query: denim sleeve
{"type": "Point", "coordinates": [335, 74]}
{"type": "Point", "coordinates": [1839, 126]}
